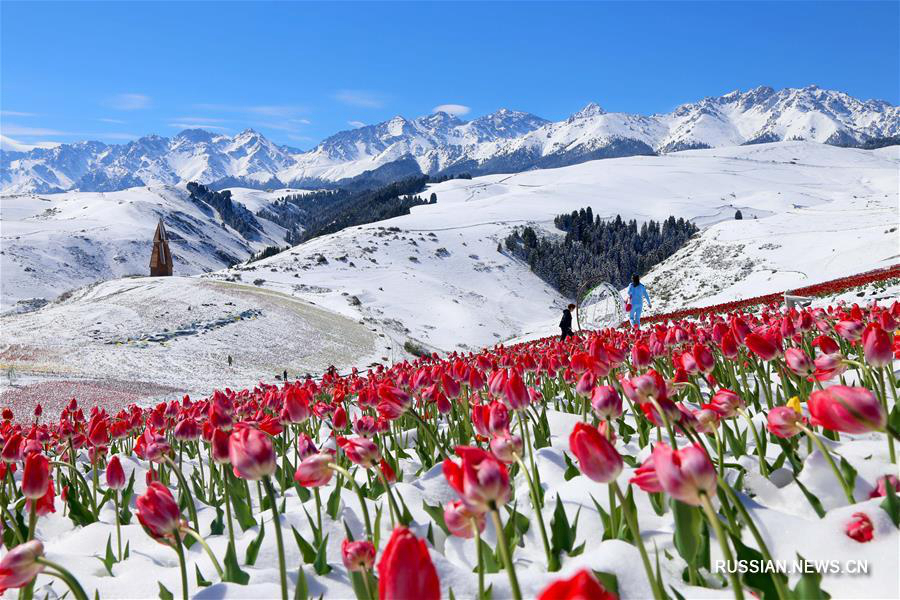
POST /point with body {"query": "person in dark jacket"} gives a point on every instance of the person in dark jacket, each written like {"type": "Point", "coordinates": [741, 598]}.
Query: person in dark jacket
{"type": "Point", "coordinates": [565, 324]}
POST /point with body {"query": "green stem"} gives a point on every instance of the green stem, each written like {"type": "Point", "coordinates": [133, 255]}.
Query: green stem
{"type": "Point", "coordinates": [723, 544]}
{"type": "Point", "coordinates": [638, 541]}
{"type": "Point", "coordinates": [480, 560]}
{"type": "Point", "coordinates": [180, 551]}
{"type": "Point", "coordinates": [891, 451]}
{"type": "Point", "coordinates": [504, 552]}
{"type": "Point", "coordinates": [552, 561]}
{"type": "Point", "coordinates": [227, 493]}
{"type": "Point", "coordinates": [77, 591]}
{"type": "Point", "coordinates": [359, 494]}
{"type": "Point", "coordinates": [118, 526]}
{"type": "Point", "coordinates": [277, 523]}
{"type": "Point", "coordinates": [206, 547]}
{"type": "Point", "coordinates": [84, 482]}
{"type": "Point", "coordinates": [431, 434]}
{"type": "Point", "coordinates": [393, 509]}
{"type": "Point", "coordinates": [185, 489]}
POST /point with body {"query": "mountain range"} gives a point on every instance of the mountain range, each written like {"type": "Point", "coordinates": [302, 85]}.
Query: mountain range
{"type": "Point", "coordinates": [505, 141]}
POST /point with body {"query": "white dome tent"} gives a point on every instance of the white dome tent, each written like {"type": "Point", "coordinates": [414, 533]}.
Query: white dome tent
{"type": "Point", "coordinates": [601, 306]}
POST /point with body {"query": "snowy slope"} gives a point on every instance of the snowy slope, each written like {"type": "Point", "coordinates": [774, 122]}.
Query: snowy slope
{"type": "Point", "coordinates": [436, 277]}
{"type": "Point", "coordinates": [52, 243]}
{"type": "Point", "coordinates": [502, 142]}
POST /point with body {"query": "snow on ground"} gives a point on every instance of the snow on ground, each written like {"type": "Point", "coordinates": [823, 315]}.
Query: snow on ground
{"type": "Point", "coordinates": [777, 505]}
{"type": "Point", "coordinates": [52, 243]}
{"type": "Point", "coordinates": [175, 332]}
{"type": "Point", "coordinates": [255, 200]}
{"type": "Point", "coordinates": [435, 276]}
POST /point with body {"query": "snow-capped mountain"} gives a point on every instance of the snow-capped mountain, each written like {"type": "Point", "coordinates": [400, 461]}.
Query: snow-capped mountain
{"type": "Point", "coordinates": [502, 142]}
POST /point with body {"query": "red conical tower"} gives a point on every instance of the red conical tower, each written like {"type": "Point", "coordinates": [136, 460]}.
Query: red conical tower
{"type": "Point", "coordinates": [161, 259]}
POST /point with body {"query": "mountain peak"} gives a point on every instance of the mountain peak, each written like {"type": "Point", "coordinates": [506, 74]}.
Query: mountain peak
{"type": "Point", "coordinates": [592, 109]}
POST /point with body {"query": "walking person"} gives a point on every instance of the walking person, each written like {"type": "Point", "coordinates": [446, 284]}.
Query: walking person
{"type": "Point", "coordinates": [637, 293]}
{"type": "Point", "coordinates": [565, 324]}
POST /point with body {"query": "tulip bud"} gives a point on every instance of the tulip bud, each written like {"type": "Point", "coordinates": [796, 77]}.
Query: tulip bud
{"type": "Point", "coordinates": [606, 402]}
{"type": "Point", "coordinates": [860, 528]}
{"type": "Point", "coordinates": [405, 569]}
{"type": "Point", "coordinates": [35, 476]}
{"type": "Point", "coordinates": [784, 422]}
{"type": "Point", "coordinates": [461, 520]}
{"type": "Point", "coordinates": [798, 362]}
{"type": "Point", "coordinates": [847, 409]}
{"type": "Point", "coordinates": [315, 470]}
{"type": "Point", "coordinates": [877, 346]}
{"type": "Point", "coordinates": [481, 480]}
{"type": "Point", "coordinates": [158, 512]}
{"type": "Point", "coordinates": [357, 556]}
{"type": "Point", "coordinates": [685, 474]}
{"type": "Point", "coordinates": [251, 454]}
{"type": "Point", "coordinates": [507, 447]}
{"type": "Point", "coordinates": [19, 566]}
{"type": "Point", "coordinates": [360, 450]}
{"type": "Point", "coordinates": [582, 585]}
{"type": "Point", "coordinates": [597, 458]}
{"type": "Point", "coordinates": [115, 474]}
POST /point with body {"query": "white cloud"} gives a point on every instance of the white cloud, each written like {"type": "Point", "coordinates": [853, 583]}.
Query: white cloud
{"type": "Point", "coordinates": [280, 111]}
{"type": "Point", "coordinates": [15, 113]}
{"type": "Point", "coordinates": [13, 129]}
{"type": "Point", "coordinates": [356, 123]}
{"type": "Point", "coordinates": [456, 110]}
{"type": "Point", "coordinates": [7, 143]}
{"type": "Point", "coordinates": [189, 125]}
{"type": "Point", "coordinates": [114, 121]}
{"type": "Point", "coordinates": [360, 98]}
{"type": "Point", "coordinates": [129, 101]}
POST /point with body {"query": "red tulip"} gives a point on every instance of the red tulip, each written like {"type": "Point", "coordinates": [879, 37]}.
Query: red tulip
{"type": "Point", "coordinates": [729, 345]}
{"type": "Point", "coordinates": [360, 450]}
{"type": "Point", "coordinates": [725, 403]}
{"type": "Point", "coordinates": [481, 480]}
{"type": "Point", "coordinates": [514, 391]}
{"type": "Point", "coordinates": [12, 449]}
{"type": "Point", "coordinates": [764, 346]}
{"type": "Point", "coordinates": [315, 470]}
{"type": "Point", "coordinates": [405, 570]}
{"type": "Point", "coordinates": [187, 430]}
{"type": "Point", "coordinates": [115, 474]}
{"type": "Point", "coordinates": [640, 355]}
{"type": "Point", "coordinates": [19, 566]}
{"type": "Point", "coordinates": [498, 418]}
{"type": "Point", "coordinates": [685, 474]}
{"type": "Point", "coordinates": [220, 446]}
{"type": "Point", "coordinates": [251, 454]}
{"type": "Point", "coordinates": [881, 486]}
{"type": "Point", "coordinates": [582, 586]}
{"type": "Point", "coordinates": [860, 528]}
{"type": "Point", "coordinates": [158, 512]}
{"type": "Point", "coordinates": [461, 519]}
{"type": "Point", "coordinates": [829, 366]}
{"type": "Point", "coordinates": [847, 409]}
{"type": "Point", "coordinates": [877, 346]}
{"type": "Point", "coordinates": [44, 505]}
{"type": "Point", "coordinates": [296, 404]}
{"type": "Point", "coordinates": [357, 556]}
{"type": "Point", "coordinates": [35, 476]}
{"type": "Point", "coordinates": [784, 421]}
{"type": "Point", "coordinates": [597, 458]}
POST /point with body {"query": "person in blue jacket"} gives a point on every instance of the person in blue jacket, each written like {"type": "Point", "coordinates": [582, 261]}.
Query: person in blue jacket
{"type": "Point", "coordinates": [636, 295]}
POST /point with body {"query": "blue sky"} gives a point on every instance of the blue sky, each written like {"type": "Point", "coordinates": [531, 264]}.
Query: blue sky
{"type": "Point", "coordinates": [299, 72]}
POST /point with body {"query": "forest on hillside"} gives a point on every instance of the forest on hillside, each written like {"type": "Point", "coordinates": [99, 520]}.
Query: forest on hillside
{"type": "Point", "coordinates": [594, 249]}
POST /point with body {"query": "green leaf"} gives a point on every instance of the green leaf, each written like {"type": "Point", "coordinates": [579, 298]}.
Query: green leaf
{"type": "Point", "coordinates": [764, 583]}
{"type": "Point", "coordinates": [217, 527]}
{"type": "Point", "coordinates": [608, 580]}
{"type": "Point", "coordinates": [109, 559]}
{"type": "Point", "coordinates": [78, 512]}
{"type": "Point", "coordinates": [164, 593]}
{"type": "Point", "coordinates": [301, 592]}
{"type": "Point", "coordinates": [488, 558]}
{"type": "Point", "coordinates": [658, 502]}
{"type": "Point", "coordinates": [809, 586]}
{"type": "Point", "coordinates": [201, 581]}
{"type": "Point", "coordinates": [320, 564]}
{"type": "Point", "coordinates": [688, 530]}
{"type": "Point", "coordinates": [125, 502]}
{"type": "Point", "coordinates": [891, 503]}
{"type": "Point", "coordinates": [240, 508]}
{"type": "Point", "coordinates": [812, 499]}
{"type": "Point", "coordinates": [307, 551]}
{"type": "Point", "coordinates": [233, 571]}
{"type": "Point", "coordinates": [405, 516]}
{"type": "Point", "coordinates": [571, 469]}
{"type": "Point", "coordinates": [848, 472]}
{"type": "Point", "coordinates": [562, 538]}
{"type": "Point", "coordinates": [437, 515]}
{"type": "Point", "coordinates": [253, 547]}
{"type": "Point", "coordinates": [333, 506]}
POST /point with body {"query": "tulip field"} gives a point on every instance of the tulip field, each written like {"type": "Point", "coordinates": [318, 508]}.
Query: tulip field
{"type": "Point", "coordinates": [738, 454]}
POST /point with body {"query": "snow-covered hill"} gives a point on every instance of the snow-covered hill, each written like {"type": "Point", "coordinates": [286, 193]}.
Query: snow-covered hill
{"type": "Point", "coordinates": [436, 276]}
{"type": "Point", "coordinates": [52, 243]}
{"type": "Point", "coordinates": [502, 142]}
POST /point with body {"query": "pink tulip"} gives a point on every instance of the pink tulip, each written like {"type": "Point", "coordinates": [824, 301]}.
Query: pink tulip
{"type": "Point", "coordinates": [251, 453]}
{"type": "Point", "coordinates": [360, 450]}
{"type": "Point", "coordinates": [606, 402]}
{"type": "Point", "coordinates": [480, 480]}
{"type": "Point", "coordinates": [315, 470]}
{"type": "Point", "coordinates": [784, 422]}
{"type": "Point", "coordinates": [461, 519]}
{"type": "Point", "coordinates": [357, 556]}
{"type": "Point", "coordinates": [115, 474]}
{"type": "Point", "coordinates": [685, 474]}
{"type": "Point", "coordinates": [19, 566]}
{"type": "Point", "coordinates": [798, 362]}
{"type": "Point", "coordinates": [877, 346]}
